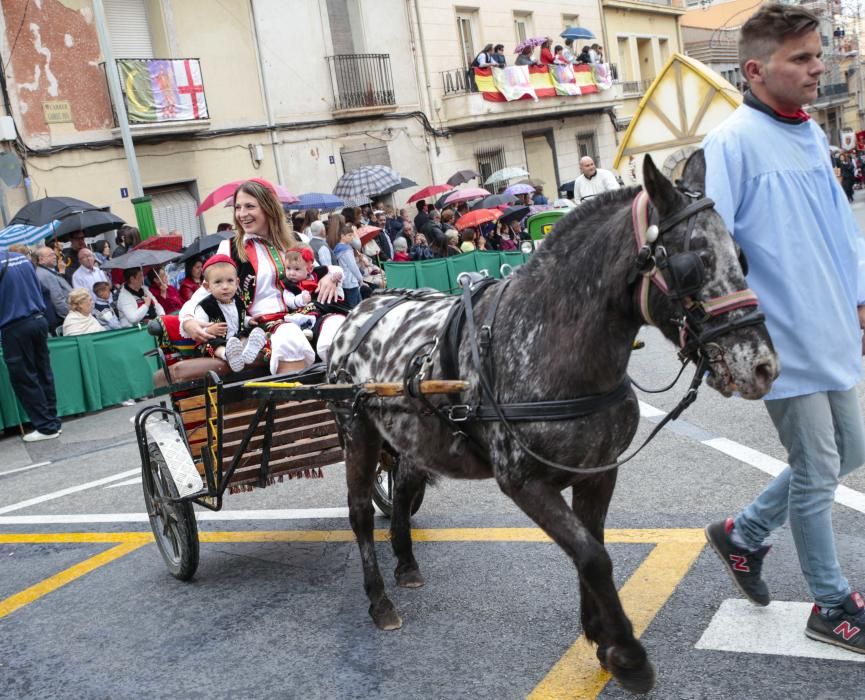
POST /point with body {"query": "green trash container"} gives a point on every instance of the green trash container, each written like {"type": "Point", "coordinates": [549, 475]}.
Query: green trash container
{"type": "Point", "coordinates": [539, 225]}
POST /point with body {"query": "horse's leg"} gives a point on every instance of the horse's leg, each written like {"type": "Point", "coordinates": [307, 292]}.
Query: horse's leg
{"type": "Point", "coordinates": [407, 485]}
{"type": "Point", "coordinates": [362, 444]}
{"type": "Point", "coordinates": [626, 659]}
{"type": "Point", "coordinates": [590, 502]}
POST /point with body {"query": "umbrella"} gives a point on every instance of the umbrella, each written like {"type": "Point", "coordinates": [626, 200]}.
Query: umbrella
{"type": "Point", "coordinates": [200, 245]}
{"type": "Point", "coordinates": [71, 215]}
{"type": "Point", "coordinates": [534, 41]}
{"type": "Point", "coordinates": [227, 191]}
{"type": "Point", "coordinates": [367, 233]}
{"type": "Point", "coordinates": [139, 258]}
{"type": "Point", "coordinates": [25, 233]}
{"type": "Point", "coordinates": [440, 202]}
{"type": "Point", "coordinates": [172, 242]}
{"type": "Point", "coordinates": [404, 184]}
{"type": "Point", "coordinates": [520, 189]}
{"type": "Point", "coordinates": [462, 176]}
{"type": "Point", "coordinates": [533, 181]}
{"type": "Point", "coordinates": [515, 214]}
{"type": "Point", "coordinates": [428, 192]}
{"type": "Point", "coordinates": [494, 200]}
{"type": "Point", "coordinates": [567, 187]}
{"type": "Point", "coordinates": [577, 33]}
{"type": "Point", "coordinates": [506, 174]}
{"type": "Point", "coordinates": [316, 200]}
{"type": "Point", "coordinates": [365, 181]}
{"type": "Point", "coordinates": [466, 194]}
{"type": "Point", "coordinates": [477, 217]}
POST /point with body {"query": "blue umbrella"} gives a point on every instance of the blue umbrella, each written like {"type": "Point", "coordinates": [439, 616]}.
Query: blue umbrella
{"type": "Point", "coordinates": [317, 200]}
{"type": "Point", "coordinates": [25, 233]}
{"type": "Point", "coordinates": [577, 33]}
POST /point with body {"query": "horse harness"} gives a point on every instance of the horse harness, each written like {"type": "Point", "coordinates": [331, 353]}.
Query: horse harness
{"type": "Point", "coordinates": [680, 277]}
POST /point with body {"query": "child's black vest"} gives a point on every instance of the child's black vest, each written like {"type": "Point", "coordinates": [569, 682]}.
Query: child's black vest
{"type": "Point", "coordinates": [215, 315]}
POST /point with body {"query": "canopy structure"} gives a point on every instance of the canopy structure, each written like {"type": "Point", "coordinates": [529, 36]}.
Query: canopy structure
{"type": "Point", "coordinates": [684, 103]}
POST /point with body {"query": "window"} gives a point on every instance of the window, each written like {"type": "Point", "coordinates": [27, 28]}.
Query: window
{"type": "Point", "coordinates": [587, 145]}
{"type": "Point", "coordinates": [354, 157]}
{"type": "Point", "coordinates": [523, 28]}
{"type": "Point", "coordinates": [174, 210]}
{"type": "Point", "coordinates": [489, 160]}
{"type": "Point", "coordinates": [466, 35]}
{"type": "Point", "coordinates": [570, 20]}
{"type": "Point", "coordinates": [344, 20]}
{"type": "Point", "coordinates": [664, 49]}
{"type": "Point", "coordinates": [129, 28]}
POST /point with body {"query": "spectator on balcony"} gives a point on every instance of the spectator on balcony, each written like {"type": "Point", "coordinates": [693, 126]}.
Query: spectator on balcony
{"type": "Point", "coordinates": [600, 51]}
{"type": "Point", "coordinates": [499, 56]}
{"type": "Point", "coordinates": [525, 57]}
{"type": "Point", "coordinates": [568, 52]}
{"type": "Point", "coordinates": [485, 58]}
{"type": "Point", "coordinates": [593, 53]}
{"type": "Point", "coordinates": [547, 57]}
{"type": "Point", "coordinates": [559, 56]}
{"type": "Point", "coordinates": [585, 55]}
{"type": "Point", "coordinates": [593, 180]}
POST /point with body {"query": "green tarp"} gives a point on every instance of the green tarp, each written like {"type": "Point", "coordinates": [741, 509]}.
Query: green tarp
{"type": "Point", "coordinates": [442, 273]}
{"type": "Point", "coordinates": [91, 372]}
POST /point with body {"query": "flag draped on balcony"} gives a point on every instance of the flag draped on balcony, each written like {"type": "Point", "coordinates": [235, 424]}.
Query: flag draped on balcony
{"type": "Point", "coordinates": [534, 82]}
{"type": "Point", "coordinates": [160, 90]}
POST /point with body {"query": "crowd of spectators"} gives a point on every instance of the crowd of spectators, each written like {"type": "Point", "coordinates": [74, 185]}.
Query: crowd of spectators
{"type": "Point", "coordinates": [493, 56]}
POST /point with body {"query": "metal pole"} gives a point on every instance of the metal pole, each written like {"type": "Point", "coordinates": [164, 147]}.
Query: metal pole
{"type": "Point", "coordinates": [116, 94]}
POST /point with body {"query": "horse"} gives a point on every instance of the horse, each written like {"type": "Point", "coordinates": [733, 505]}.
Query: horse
{"type": "Point", "coordinates": [560, 327]}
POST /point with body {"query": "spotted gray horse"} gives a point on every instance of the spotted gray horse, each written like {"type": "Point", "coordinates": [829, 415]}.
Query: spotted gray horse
{"type": "Point", "coordinates": [564, 328]}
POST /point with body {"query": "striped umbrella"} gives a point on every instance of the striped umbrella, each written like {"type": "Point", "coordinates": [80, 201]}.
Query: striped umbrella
{"type": "Point", "coordinates": [25, 234]}
{"type": "Point", "coordinates": [365, 181]}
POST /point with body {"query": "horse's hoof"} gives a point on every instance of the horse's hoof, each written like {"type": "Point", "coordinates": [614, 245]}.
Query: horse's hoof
{"type": "Point", "coordinates": [409, 579]}
{"type": "Point", "coordinates": [385, 616]}
{"type": "Point", "coordinates": [634, 675]}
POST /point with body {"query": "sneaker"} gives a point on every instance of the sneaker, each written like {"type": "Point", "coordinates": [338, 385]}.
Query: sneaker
{"type": "Point", "coordinates": [254, 343]}
{"type": "Point", "coordinates": [234, 354]}
{"type": "Point", "coordinates": [36, 436]}
{"type": "Point", "coordinates": [743, 565]}
{"type": "Point", "coordinates": [843, 626]}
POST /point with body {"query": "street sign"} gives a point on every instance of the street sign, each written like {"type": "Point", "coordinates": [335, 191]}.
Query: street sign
{"type": "Point", "coordinates": [124, 192]}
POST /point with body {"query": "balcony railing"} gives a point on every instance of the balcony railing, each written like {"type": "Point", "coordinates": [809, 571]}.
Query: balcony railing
{"type": "Point", "coordinates": [361, 81]}
{"type": "Point", "coordinates": [635, 87]}
{"type": "Point", "coordinates": [832, 90]}
{"type": "Point", "coordinates": [457, 81]}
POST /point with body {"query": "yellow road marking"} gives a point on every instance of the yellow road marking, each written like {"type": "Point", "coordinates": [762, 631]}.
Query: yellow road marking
{"type": "Point", "coordinates": [48, 585]}
{"type": "Point", "coordinates": [577, 674]}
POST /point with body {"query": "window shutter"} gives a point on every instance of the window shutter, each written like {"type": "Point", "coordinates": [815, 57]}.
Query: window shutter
{"type": "Point", "coordinates": [174, 209]}
{"type": "Point", "coordinates": [353, 159]}
{"type": "Point", "coordinates": [128, 28]}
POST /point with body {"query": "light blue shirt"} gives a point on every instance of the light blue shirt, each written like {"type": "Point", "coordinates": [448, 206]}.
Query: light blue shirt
{"type": "Point", "coordinates": [774, 186]}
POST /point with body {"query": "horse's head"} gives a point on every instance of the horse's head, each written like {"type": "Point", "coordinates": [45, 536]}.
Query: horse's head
{"type": "Point", "coordinates": [693, 283]}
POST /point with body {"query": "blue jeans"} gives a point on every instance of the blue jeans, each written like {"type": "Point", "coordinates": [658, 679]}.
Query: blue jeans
{"type": "Point", "coordinates": [352, 296]}
{"type": "Point", "coordinates": [824, 438]}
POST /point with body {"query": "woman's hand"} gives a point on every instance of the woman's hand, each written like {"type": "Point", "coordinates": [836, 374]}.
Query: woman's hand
{"type": "Point", "coordinates": [195, 330]}
{"type": "Point", "coordinates": [327, 289]}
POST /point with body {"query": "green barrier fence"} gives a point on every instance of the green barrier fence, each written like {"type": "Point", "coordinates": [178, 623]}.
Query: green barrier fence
{"type": "Point", "coordinates": [442, 273]}
{"type": "Point", "coordinates": [91, 372]}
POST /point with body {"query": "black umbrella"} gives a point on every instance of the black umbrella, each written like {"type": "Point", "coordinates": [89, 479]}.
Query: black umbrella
{"type": "Point", "coordinates": [494, 200]}
{"type": "Point", "coordinates": [200, 245]}
{"type": "Point", "coordinates": [440, 202]}
{"type": "Point", "coordinates": [514, 214]}
{"type": "Point", "coordinates": [461, 176]}
{"type": "Point", "coordinates": [404, 183]}
{"type": "Point", "coordinates": [139, 258]}
{"type": "Point", "coordinates": [72, 215]}
{"type": "Point", "coordinates": [567, 187]}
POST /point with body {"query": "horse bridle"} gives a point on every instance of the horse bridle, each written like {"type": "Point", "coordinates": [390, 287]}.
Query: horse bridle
{"type": "Point", "coordinates": [682, 276]}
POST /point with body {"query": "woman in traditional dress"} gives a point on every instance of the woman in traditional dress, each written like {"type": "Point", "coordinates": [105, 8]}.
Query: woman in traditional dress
{"type": "Point", "coordinates": [257, 250]}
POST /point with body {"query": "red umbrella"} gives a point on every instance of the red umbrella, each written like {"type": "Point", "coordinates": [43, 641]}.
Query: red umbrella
{"type": "Point", "coordinates": [367, 233]}
{"type": "Point", "coordinates": [172, 242]}
{"type": "Point", "coordinates": [477, 217]}
{"type": "Point", "coordinates": [227, 190]}
{"type": "Point", "coordinates": [428, 192]}
{"type": "Point", "coordinates": [466, 194]}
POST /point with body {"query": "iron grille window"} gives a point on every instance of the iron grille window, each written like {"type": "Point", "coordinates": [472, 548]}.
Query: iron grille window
{"type": "Point", "coordinates": [587, 145]}
{"type": "Point", "coordinates": [489, 160]}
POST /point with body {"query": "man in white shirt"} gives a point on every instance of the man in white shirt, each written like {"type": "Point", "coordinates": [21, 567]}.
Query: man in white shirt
{"type": "Point", "coordinates": [88, 273]}
{"type": "Point", "coordinates": [593, 180]}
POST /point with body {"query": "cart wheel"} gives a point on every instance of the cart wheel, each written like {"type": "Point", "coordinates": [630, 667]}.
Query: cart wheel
{"type": "Point", "coordinates": [173, 524]}
{"type": "Point", "coordinates": [382, 491]}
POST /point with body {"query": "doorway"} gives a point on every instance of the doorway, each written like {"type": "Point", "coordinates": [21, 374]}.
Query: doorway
{"type": "Point", "coordinates": [541, 160]}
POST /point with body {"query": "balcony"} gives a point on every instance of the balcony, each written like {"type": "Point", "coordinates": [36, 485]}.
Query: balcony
{"type": "Point", "coordinates": [831, 95]}
{"type": "Point", "coordinates": [362, 84]}
{"type": "Point", "coordinates": [635, 88]}
{"type": "Point", "coordinates": [162, 96]}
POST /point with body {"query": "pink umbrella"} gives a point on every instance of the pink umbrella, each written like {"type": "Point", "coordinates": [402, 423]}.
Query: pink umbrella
{"type": "Point", "coordinates": [227, 191]}
{"type": "Point", "coordinates": [466, 194]}
{"type": "Point", "coordinates": [520, 189]}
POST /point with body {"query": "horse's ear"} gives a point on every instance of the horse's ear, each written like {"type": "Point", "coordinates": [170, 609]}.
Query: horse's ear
{"type": "Point", "coordinates": [660, 190]}
{"type": "Point", "coordinates": [694, 175]}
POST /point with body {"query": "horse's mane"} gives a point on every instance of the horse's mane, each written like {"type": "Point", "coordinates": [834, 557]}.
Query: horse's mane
{"type": "Point", "coordinates": [606, 201]}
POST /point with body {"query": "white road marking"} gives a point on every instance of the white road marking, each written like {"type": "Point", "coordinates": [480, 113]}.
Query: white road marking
{"type": "Point", "coordinates": [24, 469]}
{"type": "Point", "coordinates": [128, 482]}
{"type": "Point", "coordinates": [777, 630]}
{"type": "Point", "coordinates": [200, 515]}
{"type": "Point", "coordinates": [844, 495]}
{"type": "Point", "coordinates": [65, 492]}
